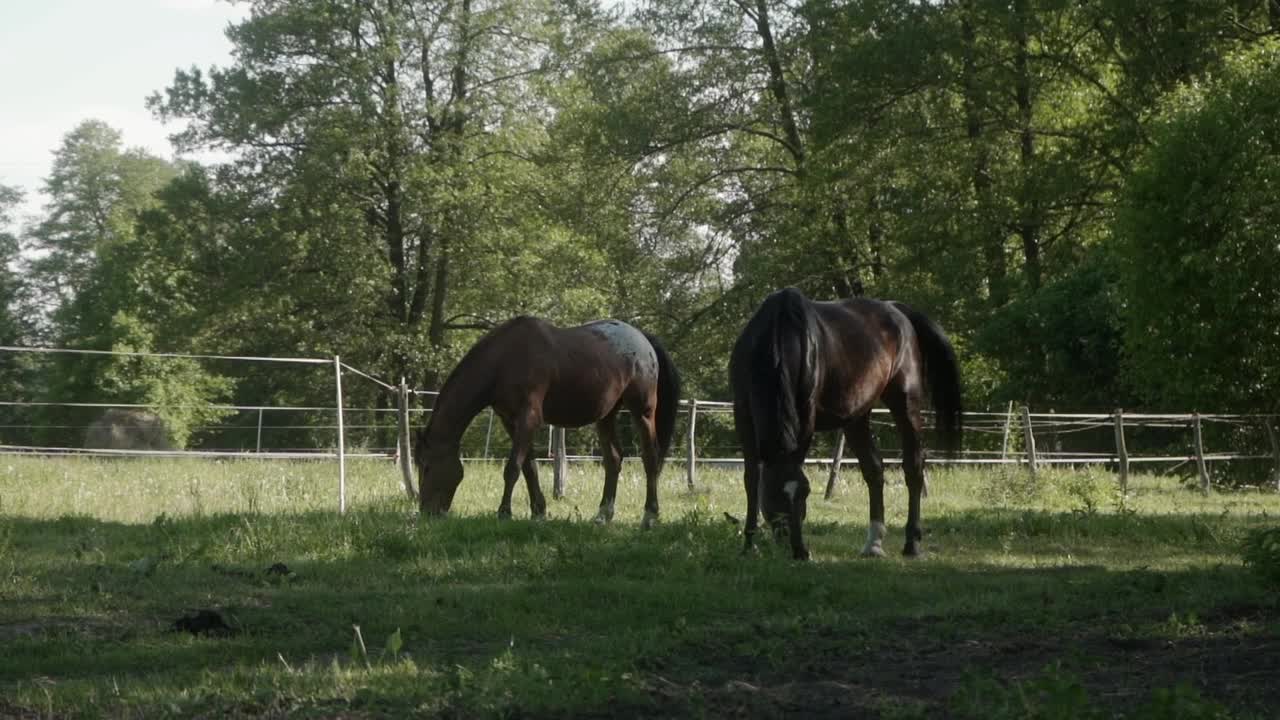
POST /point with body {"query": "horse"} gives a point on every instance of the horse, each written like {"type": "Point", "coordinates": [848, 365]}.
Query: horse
{"type": "Point", "coordinates": [801, 367]}
{"type": "Point", "coordinates": [532, 372]}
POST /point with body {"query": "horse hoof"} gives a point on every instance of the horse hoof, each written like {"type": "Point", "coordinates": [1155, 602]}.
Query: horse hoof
{"type": "Point", "coordinates": [601, 519]}
{"type": "Point", "coordinates": [504, 514]}
{"type": "Point", "coordinates": [913, 552]}
{"type": "Point", "coordinates": [873, 551]}
{"type": "Point", "coordinates": [538, 517]}
{"type": "Point", "coordinates": [650, 519]}
{"type": "Point", "coordinates": [801, 555]}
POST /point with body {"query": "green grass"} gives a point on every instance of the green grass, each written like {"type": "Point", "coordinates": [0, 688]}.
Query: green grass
{"type": "Point", "coordinates": [98, 558]}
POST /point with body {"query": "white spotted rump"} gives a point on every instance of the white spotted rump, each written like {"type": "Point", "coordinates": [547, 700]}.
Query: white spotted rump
{"type": "Point", "coordinates": [631, 344]}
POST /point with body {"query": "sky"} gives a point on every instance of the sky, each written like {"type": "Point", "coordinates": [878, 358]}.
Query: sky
{"type": "Point", "coordinates": [64, 61]}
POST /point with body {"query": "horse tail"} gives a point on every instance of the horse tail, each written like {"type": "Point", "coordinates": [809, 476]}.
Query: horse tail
{"type": "Point", "coordinates": [942, 372]}
{"type": "Point", "coordinates": [668, 398]}
{"type": "Point", "coordinates": [785, 367]}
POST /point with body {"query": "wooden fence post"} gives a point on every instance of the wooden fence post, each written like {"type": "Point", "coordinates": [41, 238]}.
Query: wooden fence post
{"type": "Point", "coordinates": [342, 440]}
{"type": "Point", "coordinates": [1122, 453]}
{"type": "Point", "coordinates": [1030, 436]}
{"type": "Point", "coordinates": [836, 458]}
{"type": "Point", "coordinates": [1275, 453]}
{"type": "Point", "coordinates": [691, 456]}
{"type": "Point", "coordinates": [1200, 466]}
{"type": "Point", "coordinates": [1008, 422]}
{"type": "Point", "coordinates": [561, 464]}
{"type": "Point", "coordinates": [406, 453]}
{"type": "Point", "coordinates": [488, 434]}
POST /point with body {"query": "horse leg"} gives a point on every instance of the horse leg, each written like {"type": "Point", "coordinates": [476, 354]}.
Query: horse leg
{"type": "Point", "coordinates": [797, 491]}
{"type": "Point", "coordinates": [521, 432]}
{"type": "Point", "coordinates": [905, 407]}
{"type": "Point", "coordinates": [647, 426]}
{"type": "Point", "coordinates": [859, 436]}
{"type": "Point", "coordinates": [750, 477]}
{"type": "Point", "coordinates": [611, 457]}
{"type": "Point", "coordinates": [537, 501]}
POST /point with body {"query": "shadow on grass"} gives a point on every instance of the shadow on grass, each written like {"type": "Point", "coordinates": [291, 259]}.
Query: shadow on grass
{"type": "Point", "coordinates": [621, 610]}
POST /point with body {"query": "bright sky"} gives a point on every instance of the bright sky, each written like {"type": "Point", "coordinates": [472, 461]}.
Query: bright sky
{"type": "Point", "coordinates": [63, 61]}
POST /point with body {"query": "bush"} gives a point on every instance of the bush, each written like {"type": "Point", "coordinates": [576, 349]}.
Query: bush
{"type": "Point", "coordinates": [1262, 554]}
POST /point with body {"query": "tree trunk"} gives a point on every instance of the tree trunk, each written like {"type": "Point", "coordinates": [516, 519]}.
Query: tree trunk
{"type": "Point", "coordinates": [778, 85]}
{"type": "Point", "coordinates": [992, 242]}
{"type": "Point", "coordinates": [1028, 213]}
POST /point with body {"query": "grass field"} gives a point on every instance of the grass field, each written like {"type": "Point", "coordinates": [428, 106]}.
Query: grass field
{"type": "Point", "coordinates": [1044, 599]}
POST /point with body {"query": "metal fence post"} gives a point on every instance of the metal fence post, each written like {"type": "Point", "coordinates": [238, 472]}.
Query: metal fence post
{"type": "Point", "coordinates": [406, 452]}
{"type": "Point", "coordinates": [342, 452]}
{"type": "Point", "coordinates": [561, 464]}
{"type": "Point", "coordinates": [1031, 440]}
{"type": "Point", "coordinates": [691, 456]}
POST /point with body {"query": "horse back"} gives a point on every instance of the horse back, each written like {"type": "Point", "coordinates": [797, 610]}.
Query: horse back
{"type": "Point", "coordinates": [866, 345]}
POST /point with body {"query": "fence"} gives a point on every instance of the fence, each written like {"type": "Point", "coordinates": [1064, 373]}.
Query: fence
{"type": "Point", "coordinates": [337, 451]}
{"type": "Point", "coordinates": [1013, 437]}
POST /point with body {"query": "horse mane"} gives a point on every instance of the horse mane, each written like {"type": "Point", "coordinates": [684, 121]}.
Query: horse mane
{"type": "Point", "coordinates": [785, 368]}
{"type": "Point", "coordinates": [460, 377]}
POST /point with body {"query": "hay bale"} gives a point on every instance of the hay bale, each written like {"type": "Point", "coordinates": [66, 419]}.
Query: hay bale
{"type": "Point", "coordinates": [128, 429]}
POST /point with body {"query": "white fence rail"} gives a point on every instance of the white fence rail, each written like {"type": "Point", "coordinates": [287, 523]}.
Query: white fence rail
{"type": "Point", "coordinates": [1029, 439]}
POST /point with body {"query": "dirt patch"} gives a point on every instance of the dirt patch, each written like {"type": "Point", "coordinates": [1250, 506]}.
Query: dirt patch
{"type": "Point", "coordinates": [46, 627]}
{"type": "Point", "coordinates": [1228, 657]}
{"type": "Point", "coordinates": [9, 711]}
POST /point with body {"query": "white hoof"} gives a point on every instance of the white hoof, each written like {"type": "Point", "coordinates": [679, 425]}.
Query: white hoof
{"type": "Point", "coordinates": [875, 540]}
{"type": "Point", "coordinates": [650, 519]}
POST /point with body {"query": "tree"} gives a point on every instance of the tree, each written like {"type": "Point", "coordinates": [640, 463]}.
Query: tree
{"type": "Point", "coordinates": [383, 131]}
{"type": "Point", "coordinates": [14, 329]}
{"type": "Point", "coordinates": [1197, 243]}
{"type": "Point", "coordinates": [96, 190]}
{"type": "Point", "coordinates": [91, 266]}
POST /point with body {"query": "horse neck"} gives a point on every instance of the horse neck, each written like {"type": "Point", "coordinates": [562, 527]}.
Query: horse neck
{"type": "Point", "coordinates": [465, 393]}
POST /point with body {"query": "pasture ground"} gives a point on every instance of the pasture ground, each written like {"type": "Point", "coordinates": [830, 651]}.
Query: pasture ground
{"type": "Point", "coordinates": [1038, 599]}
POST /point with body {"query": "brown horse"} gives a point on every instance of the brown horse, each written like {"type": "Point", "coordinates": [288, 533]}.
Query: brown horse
{"type": "Point", "coordinates": [532, 372]}
{"type": "Point", "coordinates": [801, 366]}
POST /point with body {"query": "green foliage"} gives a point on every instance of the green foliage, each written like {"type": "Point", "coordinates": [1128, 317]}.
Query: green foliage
{"type": "Point", "coordinates": [1052, 695]}
{"type": "Point", "coordinates": [1074, 322]}
{"type": "Point", "coordinates": [97, 188]}
{"type": "Point", "coordinates": [1195, 242]}
{"type": "Point", "coordinates": [179, 390]}
{"type": "Point", "coordinates": [1078, 192]}
{"type": "Point", "coordinates": [1055, 694]}
{"type": "Point", "coordinates": [1261, 552]}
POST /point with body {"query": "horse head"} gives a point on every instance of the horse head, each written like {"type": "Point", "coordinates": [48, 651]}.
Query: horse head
{"type": "Point", "coordinates": [439, 474]}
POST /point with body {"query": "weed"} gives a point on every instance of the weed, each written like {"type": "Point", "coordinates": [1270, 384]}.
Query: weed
{"type": "Point", "coordinates": [1261, 552]}
{"type": "Point", "coordinates": [1055, 694]}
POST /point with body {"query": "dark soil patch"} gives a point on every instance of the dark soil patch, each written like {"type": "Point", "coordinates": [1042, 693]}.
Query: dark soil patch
{"type": "Point", "coordinates": [1230, 657]}
{"type": "Point", "coordinates": [9, 711]}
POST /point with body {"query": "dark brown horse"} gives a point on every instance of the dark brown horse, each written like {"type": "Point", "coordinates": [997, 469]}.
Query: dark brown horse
{"type": "Point", "coordinates": [800, 367]}
{"type": "Point", "coordinates": [532, 372]}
